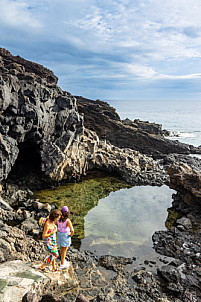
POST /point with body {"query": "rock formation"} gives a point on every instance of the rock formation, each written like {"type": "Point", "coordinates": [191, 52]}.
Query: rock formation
{"type": "Point", "coordinates": [38, 121]}
{"type": "Point", "coordinates": [186, 181]}
{"type": "Point", "coordinates": [92, 153]}
{"type": "Point", "coordinates": [147, 138]}
{"type": "Point", "coordinates": [182, 240]}
{"type": "Point", "coordinates": [14, 245]}
{"type": "Point", "coordinates": [42, 131]}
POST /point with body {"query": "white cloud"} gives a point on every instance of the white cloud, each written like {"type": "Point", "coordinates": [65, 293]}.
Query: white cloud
{"type": "Point", "coordinates": [140, 70]}
{"type": "Point", "coordinates": [17, 14]}
{"type": "Point", "coordinates": [180, 77]}
{"type": "Point", "coordinates": [108, 39]}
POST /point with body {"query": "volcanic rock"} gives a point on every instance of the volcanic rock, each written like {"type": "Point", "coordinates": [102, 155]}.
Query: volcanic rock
{"type": "Point", "coordinates": [145, 137]}
{"type": "Point", "coordinates": [38, 121]}
{"type": "Point", "coordinates": [42, 133]}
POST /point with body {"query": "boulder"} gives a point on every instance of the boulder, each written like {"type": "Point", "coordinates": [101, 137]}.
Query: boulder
{"type": "Point", "coordinates": [29, 226]}
{"type": "Point", "coordinates": [4, 205]}
{"type": "Point", "coordinates": [25, 282]}
{"type": "Point", "coordinates": [184, 222]}
{"type": "Point", "coordinates": [187, 182]}
{"type": "Point", "coordinates": [18, 279]}
{"type": "Point", "coordinates": [170, 273]}
{"type": "Point", "coordinates": [14, 244]}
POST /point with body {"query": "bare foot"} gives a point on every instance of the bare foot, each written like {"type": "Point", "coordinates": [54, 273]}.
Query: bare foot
{"type": "Point", "coordinates": [42, 268]}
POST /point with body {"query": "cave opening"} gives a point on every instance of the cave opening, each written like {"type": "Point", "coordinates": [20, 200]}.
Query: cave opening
{"type": "Point", "coordinates": [27, 167]}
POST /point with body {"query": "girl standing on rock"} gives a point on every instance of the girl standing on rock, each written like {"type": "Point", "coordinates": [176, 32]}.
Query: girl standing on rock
{"type": "Point", "coordinates": [64, 234]}
{"type": "Point", "coordinates": [49, 239]}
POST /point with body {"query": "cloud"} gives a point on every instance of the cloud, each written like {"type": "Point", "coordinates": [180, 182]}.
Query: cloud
{"type": "Point", "coordinates": [112, 44]}
{"type": "Point", "coordinates": [17, 15]}
{"type": "Point", "coordinates": [189, 31]}
{"type": "Point", "coordinates": [181, 77]}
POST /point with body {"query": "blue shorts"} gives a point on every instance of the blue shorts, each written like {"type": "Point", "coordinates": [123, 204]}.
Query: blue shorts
{"type": "Point", "coordinates": [63, 239]}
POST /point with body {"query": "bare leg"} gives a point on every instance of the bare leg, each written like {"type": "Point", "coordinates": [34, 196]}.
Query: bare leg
{"type": "Point", "coordinates": [63, 251]}
{"type": "Point", "coordinates": [53, 266]}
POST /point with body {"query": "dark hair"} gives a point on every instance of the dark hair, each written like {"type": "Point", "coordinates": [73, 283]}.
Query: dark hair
{"type": "Point", "coordinates": [64, 216]}
{"type": "Point", "coordinates": [54, 214]}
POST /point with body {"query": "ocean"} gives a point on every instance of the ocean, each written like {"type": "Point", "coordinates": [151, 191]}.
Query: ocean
{"type": "Point", "coordinates": [182, 118]}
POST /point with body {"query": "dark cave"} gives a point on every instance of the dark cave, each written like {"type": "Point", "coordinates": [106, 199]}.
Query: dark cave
{"type": "Point", "coordinates": [27, 168]}
{"type": "Point", "coordinates": [28, 160]}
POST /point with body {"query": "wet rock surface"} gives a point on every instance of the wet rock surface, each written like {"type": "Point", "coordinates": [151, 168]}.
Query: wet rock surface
{"type": "Point", "coordinates": [182, 240]}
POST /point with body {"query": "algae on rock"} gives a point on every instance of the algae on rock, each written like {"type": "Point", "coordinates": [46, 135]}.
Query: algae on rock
{"type": "Point", "coordinates": [82, 197]}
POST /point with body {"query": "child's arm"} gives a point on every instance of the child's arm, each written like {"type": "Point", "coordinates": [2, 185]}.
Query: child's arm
{"type": "Point", "coordinates": [69, 224]}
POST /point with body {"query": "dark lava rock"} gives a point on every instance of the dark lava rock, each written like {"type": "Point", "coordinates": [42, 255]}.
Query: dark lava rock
{"type": "Point", "coordinates": [114, 263]}
{"type": "Point", "coordinates": [169, 273]}
{"type": "Point", "coordinates": [145, 137]}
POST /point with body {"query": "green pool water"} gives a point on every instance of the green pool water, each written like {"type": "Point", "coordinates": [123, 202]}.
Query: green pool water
{"type": "Point", "coordinates": [82, 197]}
{"type": "Point", "coordinates": [111, 217]}
{"type": "Point", "coordinates": [123, 222]}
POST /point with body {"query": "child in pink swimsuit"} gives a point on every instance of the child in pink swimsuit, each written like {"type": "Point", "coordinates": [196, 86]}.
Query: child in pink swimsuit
{"type": "Point", "coordinates": [64, 234]}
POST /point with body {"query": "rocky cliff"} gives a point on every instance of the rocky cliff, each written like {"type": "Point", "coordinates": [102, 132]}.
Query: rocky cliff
{"type": "Point", "coordinates": [42, 131]}
{"type": "Point", "coordinates": [38, 123]}
{"type": "Point", "coordinates": [147, 138]}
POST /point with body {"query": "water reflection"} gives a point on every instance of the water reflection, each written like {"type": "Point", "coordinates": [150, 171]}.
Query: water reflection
{"type": "Point", "coordinates": [82, 197]}
{"type": "Point", "coordinates": [124, 222]}
{"type": "Point", "coordinates": [111, 217]}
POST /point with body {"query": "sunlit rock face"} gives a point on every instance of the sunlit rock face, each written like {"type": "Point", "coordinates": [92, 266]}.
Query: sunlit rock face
{"type": "Point", "coordinates": [38, 122]}
{"type": "Point", "coordinates": [186, 181]}
{"type": "Point", "coordinates": [90, 152]}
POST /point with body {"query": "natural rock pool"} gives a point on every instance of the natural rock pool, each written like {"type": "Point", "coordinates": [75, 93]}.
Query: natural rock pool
{"type": "Point", "coordinates": [110, 217]}
{"type": "Point", "coordinates": [122, 224]}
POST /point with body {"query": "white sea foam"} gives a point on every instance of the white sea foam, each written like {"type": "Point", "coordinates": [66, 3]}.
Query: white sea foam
{"type": "Point", "coordinates": [175, 134]}
{"type": "Point", "coordinates": [196, 155]}
{"type": "Point", "coordinates": [180, 117]}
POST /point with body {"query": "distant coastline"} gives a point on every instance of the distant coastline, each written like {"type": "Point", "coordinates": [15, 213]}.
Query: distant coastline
{"type": "Point", "coordinates": [182, 118]}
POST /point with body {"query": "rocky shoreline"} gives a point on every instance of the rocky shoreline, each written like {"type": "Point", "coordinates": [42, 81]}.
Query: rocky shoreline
{"type": "Point", "coordinates": [47, 137]}
{"type": "Point", "coordinates": [108, 278]}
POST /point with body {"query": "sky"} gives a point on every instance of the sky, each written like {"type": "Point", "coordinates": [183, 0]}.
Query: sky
{"type": "Point", "coordinates": [106, 49]}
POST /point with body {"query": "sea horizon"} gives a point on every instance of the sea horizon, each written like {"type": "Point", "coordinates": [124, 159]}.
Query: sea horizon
{"type": "Point", "coordinates": [182, 119]}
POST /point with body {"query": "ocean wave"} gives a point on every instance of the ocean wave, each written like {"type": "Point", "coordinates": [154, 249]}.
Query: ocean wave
{"type": "Point", "coordinates": [195, 155]}
{"type": "Point", "coordinates": [175, 134]}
